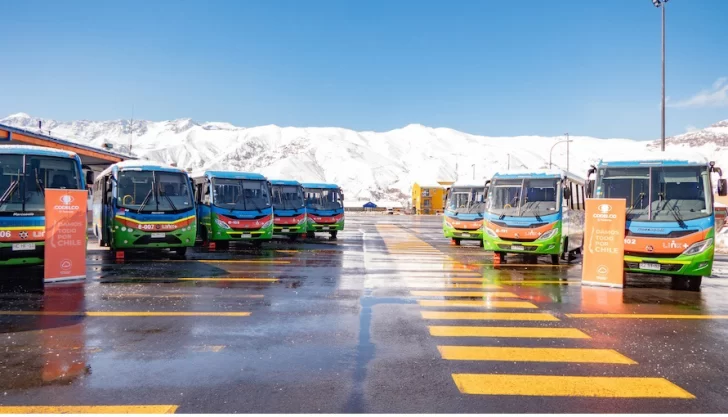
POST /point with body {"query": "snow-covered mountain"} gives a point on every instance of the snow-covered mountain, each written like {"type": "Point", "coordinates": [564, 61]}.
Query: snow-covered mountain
{"type": "Point", "coordinates": [368, 165]}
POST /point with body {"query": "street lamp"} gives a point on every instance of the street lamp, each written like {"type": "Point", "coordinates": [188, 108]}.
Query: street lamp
{"type": "Point", "coordinates": [661, 4]}
{"type": "Point", "coordinates": [567, 141]}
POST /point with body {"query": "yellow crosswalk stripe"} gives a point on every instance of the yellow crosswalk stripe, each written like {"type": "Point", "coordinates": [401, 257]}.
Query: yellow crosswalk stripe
{"type": "Point", "coordinates": [89, 409]}
{"type": "Point", "coordinates": [534, 354]}
{"type": "Point", "coordinates": [569, 386]}
{"type": "Point", "coordinates": [458, 315]}
{"type": "Point", "coordinates": [525, 332]}
{"type": "Point", "coordinates": [477, 294]}
{"type": "Point", "coordinates": [649, 316]}
{"type": "Point", "coordinates": [476, 303]}
{"type": "Point", "coordinates": [420, 284]}
{"type": "Point", "coordinates": [129, 313]}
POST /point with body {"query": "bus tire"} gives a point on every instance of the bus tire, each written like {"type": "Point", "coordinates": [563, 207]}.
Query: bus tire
{"type": "Point", "coordinates": [333, 234]}
{"type": "Point", "coordinates": [310, 235]}
{"type": "Point", "coordinates": [554, 259]}
{"type": "Point", "coordinates": [180, 252]}
{"type": "Point", "coordinates": [480, 243]}
{"type": "Point", "coordinates": [687, 283]}
{"type": "Point", "coordinates": [293, 237]}
{"type": "Point", "coordinates": [223, 244]}
{"type": "Point", "coordinates": [456, 242]}
{"type": "Point", "coordinates": [257, 243]}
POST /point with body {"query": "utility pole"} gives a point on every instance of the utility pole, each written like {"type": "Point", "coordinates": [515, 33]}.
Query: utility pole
{"type": "Point", "coordinates": [567, 151]}
{"type": "Point", "coordinates": [661, 4]}
{"type": "Point", "coordinates": [131, 136]}
{"type": "Point", "coordinates": [473, 172]}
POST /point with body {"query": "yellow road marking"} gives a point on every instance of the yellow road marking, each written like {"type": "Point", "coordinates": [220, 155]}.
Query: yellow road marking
{"type": "Point", "coordinates": [476, 303]}
{"type": "Point", "coordinates": [455, 285]}
{"type": "Point", "coordinates": [231, 279]}
{"type": "Point", "coordinates": [138, 295]}
{"type": "Point", "coordinates": [89, 409]}
{"type": "Point", "coordinates": [525, 354]}
{"type": "Point", "coordinates": [530, 332]}
{"type": "Point", "coordinates": [478, 294]}
{"type": "Point", "coordinates": [465, 315]}
{"type": "Point", "coordinates": [129, 313]}
{"type": "Point", "coordinates": [446, 279]}
{"type": "Point", "coordinates": [569, 386]}
{"type": "Point", "coordinates": [649, 316]}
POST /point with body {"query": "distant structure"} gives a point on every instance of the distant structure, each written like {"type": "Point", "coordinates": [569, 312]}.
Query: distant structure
{"type": "Point", "coordinates": [429, 197]}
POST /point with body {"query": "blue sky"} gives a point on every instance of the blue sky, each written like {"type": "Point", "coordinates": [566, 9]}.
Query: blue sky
{"type": "Point", "coordinates": [487, 67]}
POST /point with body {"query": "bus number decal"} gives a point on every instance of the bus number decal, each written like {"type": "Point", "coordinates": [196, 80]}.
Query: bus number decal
{"type": "Point", "coordinates": [628, 241]}
{"type": "Point", "coordinates": [5, 233]}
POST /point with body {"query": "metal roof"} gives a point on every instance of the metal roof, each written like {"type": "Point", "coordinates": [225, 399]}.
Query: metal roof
{"type": "Point", "coordinates": [319, 185]}
{"type": "Point", "coordinates": [137, 165]}
{"type": "Point", "coordinates": [35, 150]}
{"type": "Point", "coordinates": [232, 175]}
{"type": "Point", "coordinates": [285, 182]}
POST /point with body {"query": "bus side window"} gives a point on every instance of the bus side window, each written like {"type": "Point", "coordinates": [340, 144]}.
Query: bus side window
{"type": "Point", "coordinates": [583, 198]}
{"type": "Point", "coordinates": [571, 190]}
{"type": "Point", "coordinates": [577, 196]}
{"type": "Point", "coordinates": [206, 193]}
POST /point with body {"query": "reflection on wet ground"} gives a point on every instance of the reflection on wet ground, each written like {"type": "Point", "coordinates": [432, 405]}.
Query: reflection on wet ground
{"type": "Point", "coordinates": [388, 318]}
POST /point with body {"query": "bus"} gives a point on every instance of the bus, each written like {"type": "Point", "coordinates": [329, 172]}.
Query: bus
{"type": "Point", "coordinates": [324, 208]}
{"type": "Point", "coordinates": [139, 205]}
{"type": "Point", "coordinates": [25, 173]}
{"type": "Point", "coordinates": [464, 208]}
{"type": "Point", "coordinates": [535, 213]}
{"type": "Point", "coordinates": [233, 206]}
{"type": "Point", "coordinates": [290, 210]}
{"type": "Point", "coordinates": [670, 216]}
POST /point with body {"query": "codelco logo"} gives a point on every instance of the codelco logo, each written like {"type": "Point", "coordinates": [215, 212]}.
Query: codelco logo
{"type": "Point", "coordinates": [66, 201]}
{"type": "Point", "coordinates": [604, 212]}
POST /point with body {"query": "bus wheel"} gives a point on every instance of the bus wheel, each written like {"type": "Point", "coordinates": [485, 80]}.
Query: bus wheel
{"type": "Point", "coordinates": [456, 242]}
{"type": "Point", "coordinates": [180, 252]}
{"type": "Point", "coordinates": [333, 234]}
{"type": "Point", "coordinates": [554, 259]}
{"type": "Point", "coordinates": [310, 235]}
{"type": "Point", "coordinates": [223, 244]}
{"type": "Point", "coordinates": [257, 243]}
{"type": "Point", "coordinates": [686, 283]}
{"type": "Point", "coordinates": [293, 237]}
{"type": "Point", "coordinates": [480, 243]}
{"type": "Point", "coordinates": [501, 257]}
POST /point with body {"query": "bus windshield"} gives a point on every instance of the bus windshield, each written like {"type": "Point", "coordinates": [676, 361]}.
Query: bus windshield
{"type": "Point", "coordinates": [323, 199]}
{"type": "Point", "coordinates": [523, 197]}
{"type": "Point", "coordinates": [632, 184]}
{"type": "Point", "coordinates": [154, 191]}
{"type": "Point", "coordinates": [467, 200]}
{"type": "Point", "coordinates": [287, 197]}
{"type": "Point", "coordinates": [238, 194]}
{"type": "Point", "coordinates": [24, 178]}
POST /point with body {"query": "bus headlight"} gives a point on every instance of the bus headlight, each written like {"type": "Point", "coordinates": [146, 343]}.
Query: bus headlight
{"type": "Point", "coordinates": [490, 232]}
{"type": "Point", "coordinates": [222, 224]}
{"type": "Point", "coordinates": [447, 223]}
{"type": "Point", "coordinates": [548, 235]}
{"type": "Point", "coordinates": [699, 247]}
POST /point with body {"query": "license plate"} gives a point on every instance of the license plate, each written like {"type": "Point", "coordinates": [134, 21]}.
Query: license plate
{"type": "Point", "coordinates": [466, 234]}
{"type": "Point", "coordinates": [517, 247]}
{"type": "Point", "coordinates": [246, 236]}
{"type": "Point", "coordinates": [650, 267]}
{"type": "Point", "coordinates": [285, 230]}
{"type": "Point", "coordinates": [23, 246]}
{"type": "Point", "coordinates": [325, 228]}
{"type": "Point", "coordinates": [157, 235]}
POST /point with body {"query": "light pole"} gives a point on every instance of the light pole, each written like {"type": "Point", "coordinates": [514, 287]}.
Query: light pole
{"type": "Point", "coordinates": [567, 141]}
{"type": "Point", "coordinates": [661, 4]}
{"type": "Point", "coordinates": [509, 160]}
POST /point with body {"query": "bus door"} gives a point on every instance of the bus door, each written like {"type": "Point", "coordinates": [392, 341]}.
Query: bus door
{"type": "Point", "coordinates": [106, 206]}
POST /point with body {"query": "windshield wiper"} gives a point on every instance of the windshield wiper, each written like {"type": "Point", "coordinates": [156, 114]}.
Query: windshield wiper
{"type": "Point", "coordinates": [145, 201]}
{"type": "Point", "coordinates": [642, 197]}
{"type": "Point", "coordinates": [675, 210]}
{"type": "Point", "coordinates": [39, 183]}
{"type": "Point", "coordinates": [256, 206]}
{"type": "Point", "coordinates": [9, 192]}
{"type": "Point", "coordinates": [169, 200]}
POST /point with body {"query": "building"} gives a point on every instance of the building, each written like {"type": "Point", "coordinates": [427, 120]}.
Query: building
{"type": "Point", "coordinates": [428, 198]}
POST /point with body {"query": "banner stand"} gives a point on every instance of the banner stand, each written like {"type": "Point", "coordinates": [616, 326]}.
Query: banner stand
{"type": "Point", "coordinates": [603, 263]}
{"type": "Point", "coordinates": [65, 235]}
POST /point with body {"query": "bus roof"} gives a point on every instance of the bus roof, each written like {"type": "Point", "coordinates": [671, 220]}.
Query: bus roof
{"type": "Point", "coordinates": [667, 158]}
{"type": "Point", "coordinates": [138, 165]}
{"type": "Point", "coordinates": [320, 185]}
{"type": "Point", "coordinates": [285, 182]}
{"type": "Point", "coordinates": [467, 184]}
{"type": "Point", "coordinates": [537, 173]}
{"type": "Point", "coordinates": [231, 175]}
{"type": "Point", "coordinates": [35, 150]}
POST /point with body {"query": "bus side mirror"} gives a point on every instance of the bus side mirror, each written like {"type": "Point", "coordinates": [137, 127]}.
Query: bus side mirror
{"type": "Point", "coordinates": [89, 177]}
{"type": "Point", "coordinates": [722, 187]}
{"type": "Point", "coordinates": [589, 187]}
{"type": "Point", "coordinates": [567, 193]}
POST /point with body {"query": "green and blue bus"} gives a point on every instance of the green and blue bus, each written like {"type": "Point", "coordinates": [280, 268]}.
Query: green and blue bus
{"type": "Point", "coordinates": [670, 225]}
{"type": "Point", "coordinates": [535, 213]}
{"type": "Point", "coordinates": [289, 207]}
{"type": "Point", "coordinates": [25, 173]}
{"type": "Point", "coordinates": [324, 209]}
{"type": "Point", "coordinates": [233, 206]}
{"type": "Point", "coordinates": [140, 205]}
{"type": "Point", "coordinates": [464, 209]}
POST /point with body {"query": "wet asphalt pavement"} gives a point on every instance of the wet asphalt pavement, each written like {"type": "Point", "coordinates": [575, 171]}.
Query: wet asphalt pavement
{"type": "Point", "coordinates": [389, 318]}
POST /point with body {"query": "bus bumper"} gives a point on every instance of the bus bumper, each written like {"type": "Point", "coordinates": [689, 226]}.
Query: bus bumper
{"type": "Point", "coordinates": [465, 234]}
{"type": "Point", "coordinates": [289, 229]}
{"type": "Point", "coordinates": [9, 257]}
{"type": "Point", "coordinates": [691, 265]}
{"type": "Point", "coordinates": [264, 233]}
{"type": "Point", "coordinates": [551, 246]}
{"type": "Point", "coordinates": [324, 227]}
{"type": "Point", "coordinates": [125, 238]}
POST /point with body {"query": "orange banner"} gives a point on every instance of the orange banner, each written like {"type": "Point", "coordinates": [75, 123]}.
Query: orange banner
{"type": "Point", "coordinates": [65, 231]}
{"type": "Point", "coordinates": [604, 242]}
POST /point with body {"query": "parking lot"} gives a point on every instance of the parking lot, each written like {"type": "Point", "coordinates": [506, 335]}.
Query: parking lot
{"type": "Point", "coordinates": [388, 318]}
